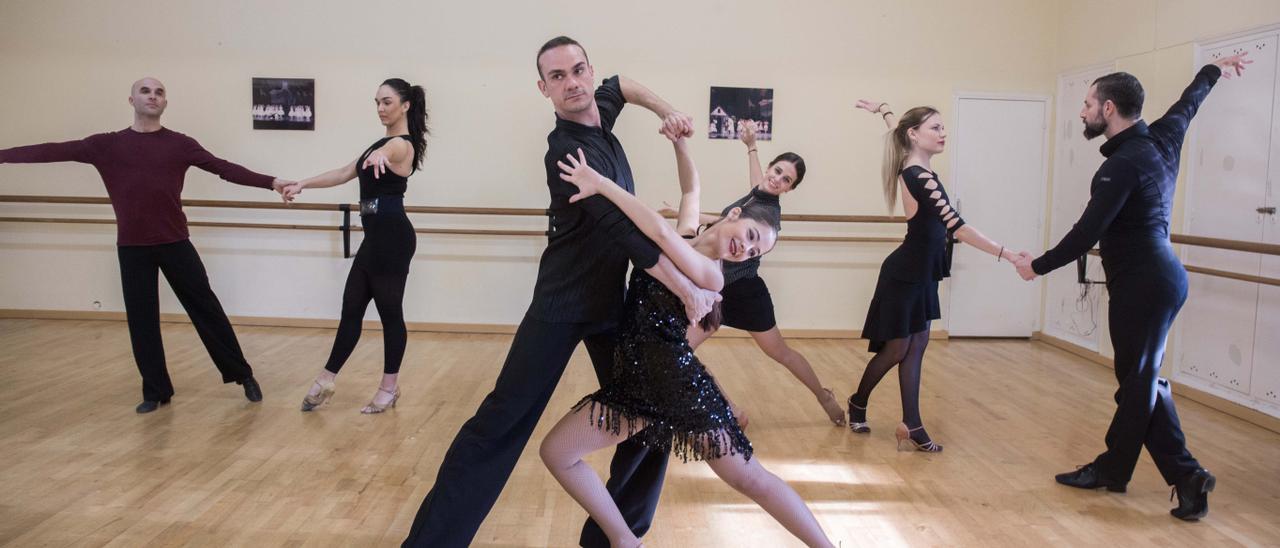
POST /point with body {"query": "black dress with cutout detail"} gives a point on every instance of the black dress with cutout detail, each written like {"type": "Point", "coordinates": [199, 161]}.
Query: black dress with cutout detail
{"type": "Point", "coordinates": [906, 297]}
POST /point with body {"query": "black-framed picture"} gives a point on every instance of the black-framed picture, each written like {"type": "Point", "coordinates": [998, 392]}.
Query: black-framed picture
{"type": "Point", "coordinates": [729, 106]}
{"type": "Point", "coordinates": [284, 103]}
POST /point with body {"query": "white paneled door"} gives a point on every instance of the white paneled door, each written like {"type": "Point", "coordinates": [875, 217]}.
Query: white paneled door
{"type": "Point", "coordinates": [998, 183]}
{"type": "Point", "coordinates": [1229, 160]}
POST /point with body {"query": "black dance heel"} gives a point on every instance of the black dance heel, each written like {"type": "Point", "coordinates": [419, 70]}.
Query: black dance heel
{"type": "Point", "coordinates": [858, 418]}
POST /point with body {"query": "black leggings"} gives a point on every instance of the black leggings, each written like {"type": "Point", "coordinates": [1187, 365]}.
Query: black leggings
{"type": "Point", "coordinates": [908, 354]}
{"type": "Point", "coordinates": [387, 293]}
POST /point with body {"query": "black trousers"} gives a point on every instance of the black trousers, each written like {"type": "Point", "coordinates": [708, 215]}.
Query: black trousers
{"type": "Point", "coordinates": [139, 266]}
{"type": "Point", "coordinates": [479, 462]}
{"type": "Point", "coordinates": [1146, 291]}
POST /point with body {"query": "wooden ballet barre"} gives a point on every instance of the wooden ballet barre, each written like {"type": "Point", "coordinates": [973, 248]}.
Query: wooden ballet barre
{"type": "Point", "coordinates": [438, 210]}
{"type": "Point", "coordinates": [458, 231]}
{"type": "Point", "coordinates": [1232, 275]}
{"type": "Point", "coordinates": [235, 204]}
{"type": "Point", "coordinates": [52, 220]}
{"type": "Point", "coordinates": [1219, 243]}
{"type": "Point", "coordinates": [820, 218]}
{"type": "Point", "coordinates": [480, 232]}
{"type": "Point", "coordinates": [189, 223]}
{"type": "Point", "coordinates": [490, 232]}
{"type": "Point", "coordinates": [817, 218]}
{"type": "Point", "coordinates": [1219, 273]}
{"type": "Point", "coordinates": [27, 199]}
{"type": "Point", "coordinates": [1202, 241]}
{"type": "Point", "coordinates": [269, 226]}
{"type": "Point", "coordinates": [843, 239]}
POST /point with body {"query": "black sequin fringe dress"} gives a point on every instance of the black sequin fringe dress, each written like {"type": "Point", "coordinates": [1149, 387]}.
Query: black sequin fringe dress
{"type": "Point", "coordinates": [660, 393]}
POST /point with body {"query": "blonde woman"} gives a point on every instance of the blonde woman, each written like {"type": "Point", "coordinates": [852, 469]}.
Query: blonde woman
{"type": "Point", "coordinates": [906, 297]}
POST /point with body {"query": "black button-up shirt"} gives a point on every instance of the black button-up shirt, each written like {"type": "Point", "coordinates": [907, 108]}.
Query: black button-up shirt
{"type": "Point", "coordinates": [582, 274]}
{"type": "Point", "coordinates": [1131, 196]}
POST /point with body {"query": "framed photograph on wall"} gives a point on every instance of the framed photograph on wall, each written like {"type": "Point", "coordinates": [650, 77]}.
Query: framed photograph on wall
{"type": "Point", "coordinates": [729, 106]}
{"type": "Point", "coordinates": [284, 103]}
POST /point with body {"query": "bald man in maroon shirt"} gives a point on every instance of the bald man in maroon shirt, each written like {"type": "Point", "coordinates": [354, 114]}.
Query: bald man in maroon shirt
{"type": "Point", "coordinates": [143, 167]}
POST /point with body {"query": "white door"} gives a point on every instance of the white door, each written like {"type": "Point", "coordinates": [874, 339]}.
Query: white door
{"type": "Point", "coordinates": [1073, 312]}
{"type": "Point", "coordinates": [1265, 382]}
{"type": "Point", "coordinates": [998, 181]}
{"type": "Point", "coordinates": [1227, 184]}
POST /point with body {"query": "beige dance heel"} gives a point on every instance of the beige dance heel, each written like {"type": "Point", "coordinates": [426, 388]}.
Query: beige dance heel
{"type": "Point", "coordinates": [832, 406]}
{"type": "Point", "coordinates": [310, 402]}
{"type": "Point", "coordinates": [374, 409]}
{"type": "Point", "coordinates": [905, 443]}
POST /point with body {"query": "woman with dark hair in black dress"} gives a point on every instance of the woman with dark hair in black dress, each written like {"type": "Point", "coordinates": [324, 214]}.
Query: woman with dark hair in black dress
{"type": "Point", "coordinates": [381, 266]}
{"type": "Point", "coordinates": [747, 304]}
{"type": "Point", "coordinates": [906, 297]}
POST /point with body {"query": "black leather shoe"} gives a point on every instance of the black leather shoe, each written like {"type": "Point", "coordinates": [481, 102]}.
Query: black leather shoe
{"type": "Point", "coordinates": [251, 389]}
{"type": "Point", "coordinates": [1087, 477]}
{"type": "Point", "coordinates": [148, 406]}
{"type": "Point", "coordinates": [1193, 495]}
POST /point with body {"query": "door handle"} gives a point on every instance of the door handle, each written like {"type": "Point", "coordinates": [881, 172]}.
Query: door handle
{"type": "Point", "coordinates": [1267, 210]}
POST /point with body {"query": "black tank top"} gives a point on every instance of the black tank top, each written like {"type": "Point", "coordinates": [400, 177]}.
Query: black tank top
{"type": "Point", "coordinates": [388, 183]}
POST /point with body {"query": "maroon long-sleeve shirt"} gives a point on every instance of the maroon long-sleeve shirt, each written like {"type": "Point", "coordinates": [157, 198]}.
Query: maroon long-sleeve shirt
{"type": "Point", "coordinates": [144, 174]}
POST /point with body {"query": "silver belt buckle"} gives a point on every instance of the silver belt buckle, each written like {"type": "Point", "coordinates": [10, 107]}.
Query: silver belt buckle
{"type": "Point", "coordinates": [369, 207]}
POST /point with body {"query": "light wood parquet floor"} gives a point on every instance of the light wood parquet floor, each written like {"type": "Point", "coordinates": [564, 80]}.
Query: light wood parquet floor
{"type": "Point", "coordinates": [79, 468]}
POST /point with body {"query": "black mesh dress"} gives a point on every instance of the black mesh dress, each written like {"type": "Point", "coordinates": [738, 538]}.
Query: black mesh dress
{"type": "Point", "coordinates": [906, 296]}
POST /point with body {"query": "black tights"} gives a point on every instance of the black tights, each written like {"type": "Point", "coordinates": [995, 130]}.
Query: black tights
{"type": "Point", "coordinates": [387, 293]}
{"type": "Point", "coordinates": [908, 353]}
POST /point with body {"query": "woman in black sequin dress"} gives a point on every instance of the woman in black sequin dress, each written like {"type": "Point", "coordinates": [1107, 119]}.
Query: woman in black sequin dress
{"type": "Point", "coordinates": [906, 297]}
{"type": "Point", "coordinates": [381, 266]}
{"type": "Point", "coordinates": [660, 392]}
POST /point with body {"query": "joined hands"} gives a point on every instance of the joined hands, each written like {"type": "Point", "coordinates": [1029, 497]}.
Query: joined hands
{"type": "Point", "coordinates": [288, 189]}
{"type": "Point", "coordinates": [1023, 265]}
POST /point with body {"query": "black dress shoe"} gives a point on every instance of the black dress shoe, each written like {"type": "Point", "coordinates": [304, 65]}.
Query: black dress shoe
{"type": "Point", "coordinates": [252, 391]}
{"type": "Point", "coordinates": [1193, 495]}
{"type": "Point", "coordinates": [148, 406]}
{"type": "Point", "coordinates": [1087, 477]}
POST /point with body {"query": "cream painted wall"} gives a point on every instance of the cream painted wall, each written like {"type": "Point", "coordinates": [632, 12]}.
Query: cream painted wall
{"type": "Point", "coordinates": [67, 66]}
{"type": "Point", "coordinates": [1155, 41]}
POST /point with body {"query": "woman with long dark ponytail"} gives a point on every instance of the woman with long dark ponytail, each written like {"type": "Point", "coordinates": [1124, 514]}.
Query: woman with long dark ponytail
{"type": "Point", "coordinates": [906, 297]}
{"type": "Point", "coordinates": [381, 266]}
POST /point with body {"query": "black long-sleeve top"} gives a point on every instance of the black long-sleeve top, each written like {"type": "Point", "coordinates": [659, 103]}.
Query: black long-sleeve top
{"type": "Point", "coordinates": [1131, 196]}
{"type": "Point", "coordinates": [923, 256]}
{"type": "Point", "coordinates": [582, 274]}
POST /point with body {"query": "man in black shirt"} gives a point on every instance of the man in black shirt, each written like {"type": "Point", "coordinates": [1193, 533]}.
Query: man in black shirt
{"type": "Point", "coordinates": [1131, 197]}
{"type": "Point", "coordinates": [578, 298]}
